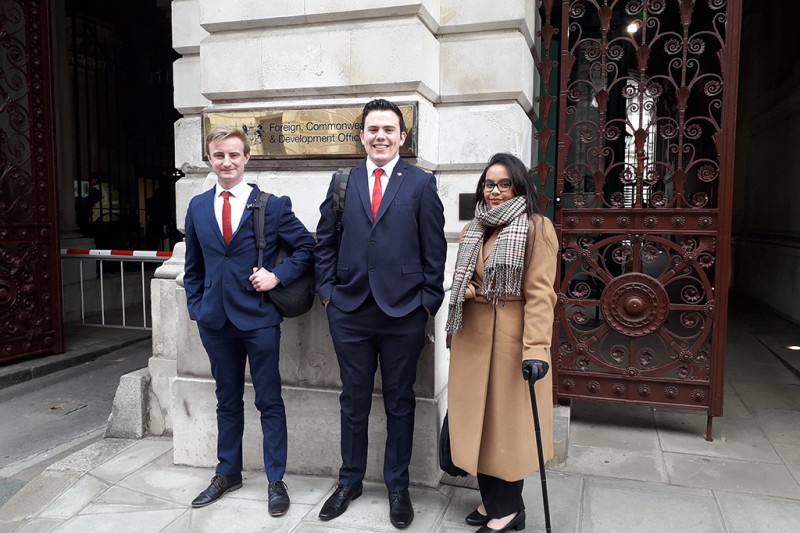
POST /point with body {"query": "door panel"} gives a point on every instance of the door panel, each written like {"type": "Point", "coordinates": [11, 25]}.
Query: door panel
{"type": "Point", "coordinates": [30, 281]}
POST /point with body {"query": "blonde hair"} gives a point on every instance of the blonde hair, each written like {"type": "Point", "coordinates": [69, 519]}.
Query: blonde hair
{"type": "Point", "coordinates": [218, 133]}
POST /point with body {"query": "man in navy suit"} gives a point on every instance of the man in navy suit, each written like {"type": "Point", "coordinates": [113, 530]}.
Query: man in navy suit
{"type": "Point", "coordinates": [224, 295]}
{"type": "Point", "coordinates": [379, 286]}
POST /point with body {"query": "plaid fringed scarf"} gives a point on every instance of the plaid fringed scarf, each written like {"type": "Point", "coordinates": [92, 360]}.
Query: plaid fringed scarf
{"type": "Point", "coordinates": [503, 272]}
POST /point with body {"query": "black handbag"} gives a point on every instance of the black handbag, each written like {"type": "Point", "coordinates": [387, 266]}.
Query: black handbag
{"type": "Point", "coordinates": [292, 300]}
{"type": "Point", "coordinates": [445, 455]}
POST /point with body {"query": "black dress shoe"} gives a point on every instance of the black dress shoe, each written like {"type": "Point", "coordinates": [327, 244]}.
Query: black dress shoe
{"type": "Point", "coordinates": [401, 513]}
{"type": "Point", "coordinates": [477, 519]}
{"type": "Point", "coordinates": [517, 524]}
{"type": "Point", "coordinates": [219, 486]}
{"type": "Point", "coordinates": [337, 503]}
{"type": "Point", "coordinates": [278, 498]}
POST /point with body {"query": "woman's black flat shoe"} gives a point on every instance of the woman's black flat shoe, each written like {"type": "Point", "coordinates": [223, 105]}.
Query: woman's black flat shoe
{"type": "Point", "coordinates": [517, 524]}
{"type": "Point", "coordinates": [476, 519]}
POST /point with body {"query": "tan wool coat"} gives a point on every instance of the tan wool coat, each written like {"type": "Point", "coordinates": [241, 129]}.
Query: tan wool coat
{"type": "Point", "coordinates": [489, 405]}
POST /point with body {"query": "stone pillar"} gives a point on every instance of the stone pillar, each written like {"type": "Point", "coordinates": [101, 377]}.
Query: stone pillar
{"type": "Point", "coordinates": [166, 310]}
{"type": "Point", "coordinates": [442, 54]}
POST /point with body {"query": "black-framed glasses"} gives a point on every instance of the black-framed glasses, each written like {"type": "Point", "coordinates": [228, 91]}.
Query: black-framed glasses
{"type": "Point", "coordinates": [502, 185]}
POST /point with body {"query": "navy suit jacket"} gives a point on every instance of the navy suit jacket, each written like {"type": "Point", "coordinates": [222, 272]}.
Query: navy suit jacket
{"type": "Point", "coordinates": [217, 276]}
{"type": "Point", "coordinates": [399, 257]}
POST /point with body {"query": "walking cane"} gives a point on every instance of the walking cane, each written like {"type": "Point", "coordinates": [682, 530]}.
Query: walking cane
{"type": "Point", "coordinates": [531, 382]}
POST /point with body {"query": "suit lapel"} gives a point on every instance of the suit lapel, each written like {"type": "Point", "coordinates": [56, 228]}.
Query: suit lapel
{"type": "Point", "coordinates": [207, 207]}
{"type": "Point", "coordinates": [248, 212]}
{"type": "Point", "coordinates": [398, 175]}
{"type": "Point", "coordinates": [362, 186]}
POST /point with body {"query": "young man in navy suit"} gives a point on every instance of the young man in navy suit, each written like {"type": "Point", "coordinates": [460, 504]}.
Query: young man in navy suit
{"type": "Point", "coordinates": [224, 295]}
{"type": "Point", "coordinates": [379, 286]}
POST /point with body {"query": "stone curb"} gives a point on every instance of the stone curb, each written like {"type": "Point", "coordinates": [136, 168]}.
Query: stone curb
{"type": "Point", "coordinates": [30, 369]}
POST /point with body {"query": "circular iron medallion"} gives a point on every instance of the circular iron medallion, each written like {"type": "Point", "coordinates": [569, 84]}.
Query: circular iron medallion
{"type": "Point", "coordinates": [634, 304]}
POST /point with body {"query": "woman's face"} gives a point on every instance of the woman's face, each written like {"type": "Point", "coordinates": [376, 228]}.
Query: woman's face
{"type": "Point", "coordinates": [497, 187]}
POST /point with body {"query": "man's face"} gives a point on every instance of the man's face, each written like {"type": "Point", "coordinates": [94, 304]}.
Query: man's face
{"type": "Point", "coordinates": [381, 136]}
{"type": "Point", "coordinates": [228, 160]}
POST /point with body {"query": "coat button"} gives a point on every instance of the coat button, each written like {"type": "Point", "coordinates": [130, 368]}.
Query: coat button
{"type": "Point", "coordinates": [372, 268]}
{"type": "Point", "coordinates": [372, 241]}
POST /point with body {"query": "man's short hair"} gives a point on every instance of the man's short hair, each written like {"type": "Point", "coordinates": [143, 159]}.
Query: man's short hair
{"type": "Point", "coordinates": [218, 133]}
{"type": "Point", "coordinates": [379, 104]}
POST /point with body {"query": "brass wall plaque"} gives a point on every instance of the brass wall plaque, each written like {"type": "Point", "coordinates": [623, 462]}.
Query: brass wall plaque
{"type": "Point", "coordinates": [313, 133]}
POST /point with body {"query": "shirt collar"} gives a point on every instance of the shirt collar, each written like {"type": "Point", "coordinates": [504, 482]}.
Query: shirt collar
{"type": "Point", "coordinates": [388, 167]}
{"type": "Point", "coordinates": [240, 191]}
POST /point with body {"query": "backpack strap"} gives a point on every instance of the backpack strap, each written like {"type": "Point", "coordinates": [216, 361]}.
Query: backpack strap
{"type": "Point", "coordinates": [339, 194]}
{"type": "Point", "coordinates": [259, 208]}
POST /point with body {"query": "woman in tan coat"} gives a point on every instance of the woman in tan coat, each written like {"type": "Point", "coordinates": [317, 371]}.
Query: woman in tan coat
{"type": "Point", "coordinates": [501, 319]}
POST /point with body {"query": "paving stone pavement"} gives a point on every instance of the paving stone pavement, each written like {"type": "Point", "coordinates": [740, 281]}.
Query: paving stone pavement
{"type": "Point", "coordinates": [628, 469]}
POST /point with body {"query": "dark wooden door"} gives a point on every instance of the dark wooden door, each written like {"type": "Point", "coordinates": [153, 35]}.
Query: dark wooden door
{"type": "Point", "coordinates": [30, 281]}
{"type": "Point", "coordinates": [646, 111]}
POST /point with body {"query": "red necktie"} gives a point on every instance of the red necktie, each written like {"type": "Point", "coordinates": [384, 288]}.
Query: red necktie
{"type": "Point", "coordinates": [377, 192]}
{"type": "Point", "coordinates": [227, 229]}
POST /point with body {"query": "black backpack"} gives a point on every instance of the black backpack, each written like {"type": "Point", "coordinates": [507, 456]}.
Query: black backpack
{"type": "Point", "coordinates": [339, 193]}
{"type": "Point", "coordinates": [297, 298]}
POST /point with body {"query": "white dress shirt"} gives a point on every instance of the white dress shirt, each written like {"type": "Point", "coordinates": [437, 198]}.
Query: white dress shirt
{"type": "Point", "coordinates": [388, 168]}
{"type": "Point", "coordinates": [238, 200]}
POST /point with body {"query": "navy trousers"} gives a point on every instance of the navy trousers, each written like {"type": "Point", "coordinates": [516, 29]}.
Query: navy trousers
{"type": "Point", "coordinates": [228, 349]}
{"type": "Point", "coordinates": [362, 339]}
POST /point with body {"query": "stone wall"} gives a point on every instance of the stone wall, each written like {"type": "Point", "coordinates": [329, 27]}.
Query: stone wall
{"type": "Point", "coordinates": [470, 66]}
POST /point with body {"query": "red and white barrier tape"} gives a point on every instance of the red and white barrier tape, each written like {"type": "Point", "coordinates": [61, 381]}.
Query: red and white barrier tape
{"type": "Point", "coordinates": [113, 253]}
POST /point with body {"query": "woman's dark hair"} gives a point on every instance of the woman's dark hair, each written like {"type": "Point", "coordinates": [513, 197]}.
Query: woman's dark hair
{"type": "Point", "coordinates": [521, 182]}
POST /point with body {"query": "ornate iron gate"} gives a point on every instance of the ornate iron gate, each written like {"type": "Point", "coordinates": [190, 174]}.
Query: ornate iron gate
{"type": "Point", "coordinates": [30, 281]}
{"type": "Point", "coordinates": [646, 124]}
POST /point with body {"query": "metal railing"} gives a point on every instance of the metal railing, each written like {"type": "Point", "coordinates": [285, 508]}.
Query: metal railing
{"type": "Point", "coordinates": [92, 301]}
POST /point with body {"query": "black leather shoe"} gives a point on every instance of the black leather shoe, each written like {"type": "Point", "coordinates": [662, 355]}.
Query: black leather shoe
{"type": "Point", "coordinates": [219, 486]}
{"type": "Point", "coordinates": [337, 503]}
{"type": "Point", "coordinates": [517, 524]}
{"type": "Point", "coordinates": [278, 498]}
{"type": "Point", "coordinates": [401, 513]}
{"type": "Point", "coordinates": [477, 519]}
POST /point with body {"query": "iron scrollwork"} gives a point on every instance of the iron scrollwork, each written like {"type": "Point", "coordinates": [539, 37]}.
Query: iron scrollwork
{"type": "Point", "coordinates": [30, 320]}
{"type": "Point", "coordinates": [643, 103]}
